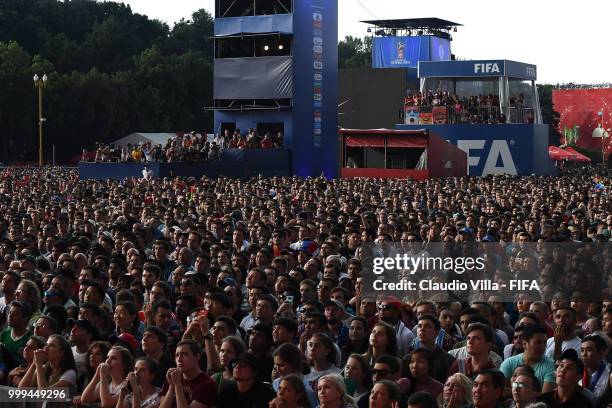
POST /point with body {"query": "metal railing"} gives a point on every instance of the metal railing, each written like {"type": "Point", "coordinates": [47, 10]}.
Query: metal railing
{"type": "Point", "coordinates": [455, 115]}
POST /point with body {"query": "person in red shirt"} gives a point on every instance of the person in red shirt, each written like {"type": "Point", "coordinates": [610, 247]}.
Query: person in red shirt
{"type": "Point", "coordinates": [266, 142]}
{"type": "Point", "coordinates": [187, 385]}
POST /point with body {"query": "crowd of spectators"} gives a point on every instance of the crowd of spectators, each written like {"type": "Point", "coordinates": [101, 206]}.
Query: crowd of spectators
{"type": "Point", "coordinates": [473, 109]}
{"type": "Point", "coordinates": [250, 293]}
{"type": "Point", "coordinates": [191, 147]}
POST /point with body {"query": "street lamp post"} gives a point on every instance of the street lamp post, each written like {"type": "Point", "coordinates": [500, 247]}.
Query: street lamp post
{"type": "Point", "coordinates": [40, 84]}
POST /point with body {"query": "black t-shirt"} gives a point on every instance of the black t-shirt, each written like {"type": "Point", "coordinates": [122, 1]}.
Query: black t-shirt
{"type": "Point", "coordinates": [578, 400]}
{"type": "Point", "coordinates": [165, 363]}
{"type": "Point", "coordinates": [258, 396]}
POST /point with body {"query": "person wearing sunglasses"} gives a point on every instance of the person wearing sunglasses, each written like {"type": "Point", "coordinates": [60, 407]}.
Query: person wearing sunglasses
{"type": "Point", "coordinates": [389, 311]}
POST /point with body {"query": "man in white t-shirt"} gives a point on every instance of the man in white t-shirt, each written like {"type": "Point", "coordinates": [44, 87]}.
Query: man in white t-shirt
{"type": "Point", "coordinates": [565, 333]}
{"type": "Point", "coordinates": [147, 173]}
{"type": "Point", "coordinates": [82, 334]}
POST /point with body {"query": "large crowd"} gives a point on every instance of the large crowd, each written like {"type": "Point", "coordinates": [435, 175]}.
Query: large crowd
{"type": "Point", "coordinates": [250, 293]}
{"type": "Point", "coordinates": [484, 109]}
{"type": "Point", "coordinates": [190, 147]}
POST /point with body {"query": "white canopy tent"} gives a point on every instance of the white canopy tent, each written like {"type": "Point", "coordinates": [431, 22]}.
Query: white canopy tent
{"type": "Point", "coordinates": [137, 138]}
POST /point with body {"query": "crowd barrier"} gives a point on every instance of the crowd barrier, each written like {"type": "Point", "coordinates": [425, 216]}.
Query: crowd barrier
{"type": "Point", "coordinates": [451, 115]}
{"type": "Point", "coordinates": [234, 163]}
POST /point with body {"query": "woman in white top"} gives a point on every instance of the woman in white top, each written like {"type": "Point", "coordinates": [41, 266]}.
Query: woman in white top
{"type": "Point", "coordinates": [138, 390]}
{"type": "Point", "coordinates": [321, 355]}
{"type": "Point", "coordinates": [106, 384]}
{"type": "Point", "coordinates": [53, 366]}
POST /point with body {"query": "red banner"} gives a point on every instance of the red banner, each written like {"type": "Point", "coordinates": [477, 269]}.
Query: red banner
{"type": "Point", "coordinates": [440, 116]}
{"type": "Point", "coordinates": [425, 118]}
{"type": "Point", "coordinates": [579, 111]}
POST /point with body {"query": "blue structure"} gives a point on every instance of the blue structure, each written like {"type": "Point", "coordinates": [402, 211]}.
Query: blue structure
{"type": "Point", "coordinates": [275, 70]}
{"type": "Point", "coordinates": [510, 148]}
{"type": "Point", "coordinates": [406, 52]}
{"type": "Point", "coordinates": [501, 77]}
{"type": "Point", "coordinates": [403, 43]}
{"type": "Point", "coordinates": [515, 149]}
{"type": "Point", "coordinates": [234, 163]}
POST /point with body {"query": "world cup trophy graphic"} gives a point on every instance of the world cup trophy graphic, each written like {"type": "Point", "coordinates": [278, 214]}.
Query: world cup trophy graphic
{"type": "Point", "coordinates": [401, 50]}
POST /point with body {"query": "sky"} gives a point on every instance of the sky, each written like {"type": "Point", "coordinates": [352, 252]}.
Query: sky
{"type": "Point", "coordinates": [569, 42]}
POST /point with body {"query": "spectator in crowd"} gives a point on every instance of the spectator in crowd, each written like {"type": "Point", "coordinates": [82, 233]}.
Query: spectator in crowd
{"type": "Point", "coordinates": [288, 361]}
{"type": "Point", "coordinates": [525, 390]}
{"type": "Point", "coordinates": [382, 341]}
{"type": "Point", "coordinates": [457, 391]}
{"type": "Point", "coordinates": [594, 350]}
{"type": "Point", "coordinates": [534, 344]}
{"type": "Point", "coordinates": [428, 329]}
{"type": "Point", "coordinates": [357, 373]}
{"type": "Point", "coordinates": [385, 394]}
{"type": "Point", "coordinates": [107, 382]}
{"type": "Point", "coordinates": [479, 342]}
{"type": "Point", "coordinates": [488, 389]}
{"type": "Point", "coordinates": [331, 392]}
{"type": "Point", "coordinates": [420, 367]}
{"type": "Point", "coordinates": [565, 333]}
{"type": "Point", "coordinates": [16, 374]}
{"type": "Point", "coordinates": [357, 338]}
{"type": "Point", "coordinates": [189, 147]}
{"type": "Point", "coordinates": [322, 357]}
{"type": "Point", "coordinates": [16, 335]}
{"type": "Point", "coordinates": [246, 390]}
{"type": "Point", "coordinates": [568, 392]}
{"type": "Point", "coordinates": [96, 355]}
{"type": "Point", "coordinates": [138, 389]}
{"type": "Point", "coordinates": [53, 366]}
{"type": "Point", "coordinates": [187, 383]}
{"type": "Point", "coordinates": [231, 348]}
{"type": "Point", "coordinates": [178, 248]}
{"type": "Point", "coordinates": [291, 393]}
{"type": "Point", "coordinates": [154, 345]}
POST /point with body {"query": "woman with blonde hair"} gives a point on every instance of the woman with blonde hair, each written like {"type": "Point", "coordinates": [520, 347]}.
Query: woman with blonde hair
{"type": "Point", "coordinates": [331, 392]}
{"type": "Point", "coordinates": [457, 391]}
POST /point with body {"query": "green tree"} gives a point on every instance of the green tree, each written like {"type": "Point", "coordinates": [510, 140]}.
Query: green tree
{"type": "Point", "coordinates": [193, 35]}
{"type": "Point", "coordinates": [17, 98]}
{"type": "Point", "coordinates": [355, 52]}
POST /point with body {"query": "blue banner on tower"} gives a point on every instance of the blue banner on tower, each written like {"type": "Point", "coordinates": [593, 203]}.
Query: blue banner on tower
{"type": "Point", "coordinates": [398, 52]}
{"type": "Point", "coordinates": [406, 52]}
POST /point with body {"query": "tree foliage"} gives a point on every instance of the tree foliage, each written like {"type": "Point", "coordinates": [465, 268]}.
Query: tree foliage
{"type": "Point", "coordinates": [111, 72]}
{"type": "Point", "coordinates": [354, 52]}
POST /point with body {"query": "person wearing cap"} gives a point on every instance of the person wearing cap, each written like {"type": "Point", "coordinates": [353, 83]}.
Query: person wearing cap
{"type": "Point", "coordinates": [593, 352]}
{"type": "Point", "coordinates": [568, 392]}
{"type": "Point", "coordinates": [82, 334]}
{"type": "Point", "coordinates": [334, 312]}
{"type": "Point", "coordinates": [389, 311]}
{"type": "Point", "coordinates": [187, 385]}
{"type": "Point", "coordinates": [16, 334]}
{"type": "Point", "coordinates": [246, 391]}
